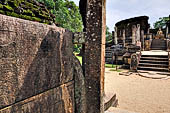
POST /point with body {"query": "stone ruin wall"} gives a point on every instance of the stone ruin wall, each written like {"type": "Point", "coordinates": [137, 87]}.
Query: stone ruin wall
{"type": "Point", "coordinates": [36, 68]}
{"type": "Point", "coordinates": [128, 24]}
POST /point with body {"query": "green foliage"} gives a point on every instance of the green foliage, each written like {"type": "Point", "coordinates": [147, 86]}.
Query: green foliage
{"type": "Point", "coordinates": [108, 35]}
{"type": "Point", "coordinates": [161, 23]}
{"type": "Point", "coordinates": [67, 14]}
{"type": "Point", "coordinates": [77, 47]}
{"type": "Point", "coordinates": [110, 66]}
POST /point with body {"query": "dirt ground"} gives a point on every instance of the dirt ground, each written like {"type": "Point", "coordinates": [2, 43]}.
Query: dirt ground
{"type": "Point", "coordinates": [139, 94]}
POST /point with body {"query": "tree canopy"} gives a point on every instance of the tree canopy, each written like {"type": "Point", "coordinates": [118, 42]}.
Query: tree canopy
{"type": "Point", "coordinates": [66, 12]}
{"type": "Point", "coordinates": [161, 23]}
{"type": "Point", "coordinates": [108, 35]}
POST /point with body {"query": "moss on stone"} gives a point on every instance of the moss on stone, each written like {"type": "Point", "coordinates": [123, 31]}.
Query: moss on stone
{"type": "Point", "coordinates": [2, 12]}
{"type": "Point", "coordinates": [25, 17]}
{"type": "Point", "coordinates": [36, 19]}
{"type": "Point", "coordinates": [13, 3]}
{"type": "Point", "coordinates": [1, 6]}
{"type": "Point", "coordinates": [28, 12]}
{"type": "Point", "coordinates": [26, 9]}
{"type": "Point", "coordinates": [8, 8]}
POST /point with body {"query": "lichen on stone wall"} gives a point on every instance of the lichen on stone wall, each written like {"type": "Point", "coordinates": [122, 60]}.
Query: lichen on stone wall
{"type": "Point", "coordinates": [27, 9]}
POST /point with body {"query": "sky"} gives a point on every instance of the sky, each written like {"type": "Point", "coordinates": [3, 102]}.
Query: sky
{"type": "Point", "coordinates": [117, 10]}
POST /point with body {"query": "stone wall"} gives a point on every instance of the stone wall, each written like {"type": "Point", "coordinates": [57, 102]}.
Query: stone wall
{"type": "Point", "coordinates": [36, 67]}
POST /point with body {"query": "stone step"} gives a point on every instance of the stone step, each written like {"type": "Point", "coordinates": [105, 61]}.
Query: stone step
{"type": "Point", "coordinates": [158, 48]}
{"type": "Point", "coordinates": [154, 61]}
{"type": "Point", "coordinates": [158, 55]}
{"type": "Point", "coordinates": [153, 65]}
{"type": "Point", "coordinates": [152, 68]}
{"type": "Point", "coordinates": [110, 100]}
{"type": "Point", "coordinates": [154, 58]}
{"type": "Point", "coordinates": [153, 72]}
{"type": "Point", "coordinates": [118, 110]}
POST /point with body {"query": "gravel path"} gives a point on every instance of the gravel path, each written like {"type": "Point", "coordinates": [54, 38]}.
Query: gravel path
{"type": "Point", "coordinates": [139, 94]}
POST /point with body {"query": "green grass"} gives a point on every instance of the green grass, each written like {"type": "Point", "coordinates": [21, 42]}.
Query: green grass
{"type": "Point", "coordinates": [110, 66]}
{"type": "Point", "coordinates": [115, 70]}
{"type": "Point", "coordinates": [78, 57]}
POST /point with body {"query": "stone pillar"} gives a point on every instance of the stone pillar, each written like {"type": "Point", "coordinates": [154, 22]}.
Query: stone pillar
{"type": "Point", "coordinates": [138, 33]}
{"type": "Point", "coordinates": [95, 55]}
{"type": "Point", "coordinates": [167, 31]}
{"type": "Point", "coordinates": [134, 34]}
{"type": "Point", "coordinates": [115, 38]}
{"type": "Point", "coordinates": [143, 40]}
{"type": "Point", "coordinates": [124, 37]}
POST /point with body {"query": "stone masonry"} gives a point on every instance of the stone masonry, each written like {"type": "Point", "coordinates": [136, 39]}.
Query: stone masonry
{"type": "Point", "coordinates": [36, 68]}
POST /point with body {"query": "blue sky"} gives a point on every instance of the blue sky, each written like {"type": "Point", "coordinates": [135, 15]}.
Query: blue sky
{"type": "Point", "coordinates": [122, 9]}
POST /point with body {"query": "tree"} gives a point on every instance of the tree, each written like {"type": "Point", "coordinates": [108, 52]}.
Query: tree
{"type": "Point", "coordinates": [161, 23]}
{"type": "Point", "coordinates": [108, 35]}
{"type": "Point", "coordinates": [67, 14]}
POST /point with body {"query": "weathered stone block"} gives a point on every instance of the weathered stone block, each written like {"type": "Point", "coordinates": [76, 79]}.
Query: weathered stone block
{"type": "Point", "coordinates": [34, 59]}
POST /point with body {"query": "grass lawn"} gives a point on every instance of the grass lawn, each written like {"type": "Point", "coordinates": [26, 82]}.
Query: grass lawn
{"type": "Point", "coordinates": [112, 67]}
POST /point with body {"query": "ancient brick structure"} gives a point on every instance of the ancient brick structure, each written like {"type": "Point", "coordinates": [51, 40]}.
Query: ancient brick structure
{"type": "Point", "coordinates": [130, 35]}
{"type": "Point", "coordinates": [36, 67]}
{"type": "Point", "coordinates": [130, 26]}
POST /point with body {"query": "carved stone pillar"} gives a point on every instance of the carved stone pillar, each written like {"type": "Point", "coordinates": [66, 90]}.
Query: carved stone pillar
{"type": "Point", "coordinates": [167, 31]}
{"type": "Point", "coordinates": [124, 37]}
{"type": "Point", "coordinates": [95, 55]}
{"type": "Point", "coordinates": [143, 40]}
{"type": "Point", "coordinates": [138, 33]}
{"type": "Point", "coordinates": [134, 34]}
{"type": "Point", "coordinates": [115, 38]}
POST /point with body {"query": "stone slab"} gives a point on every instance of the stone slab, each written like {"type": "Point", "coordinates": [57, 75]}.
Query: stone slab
{"type": "Point", "coordinates": [34, 58]}
{"type": "Point", "coordinates": [58, 99]}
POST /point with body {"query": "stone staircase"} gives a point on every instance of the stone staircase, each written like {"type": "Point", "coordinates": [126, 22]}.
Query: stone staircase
{"type": "Point", "coordinates": [158, 44]}
{"type": "Point", "coordinates": [154, 62]}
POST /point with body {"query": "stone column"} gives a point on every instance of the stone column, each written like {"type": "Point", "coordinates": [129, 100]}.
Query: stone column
{"type": "Point", "coordinates": [115, 38]}
{"type": "Point", "coordinates": [167, 31]}
{"type": "Point", "coordinates": [138, 33]}
{"type": "Point", "coordinates": [134, 34]}
{"type": "Point", "coordinates": [95, 55]}
{"type": "Point", "coordinates": [142, 39]}
{"type": "Point", "coordinates": [124, 37]}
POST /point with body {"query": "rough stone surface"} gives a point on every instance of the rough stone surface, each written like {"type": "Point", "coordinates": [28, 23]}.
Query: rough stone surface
{"type": "Point", "coordinates": [94, 55]}
{"type": "Point", "coordinates": [36, 63]}
{"type": "Point", "coordinates": [52, 101]}
{"type": "Point", "coordinates": [80, 97]}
